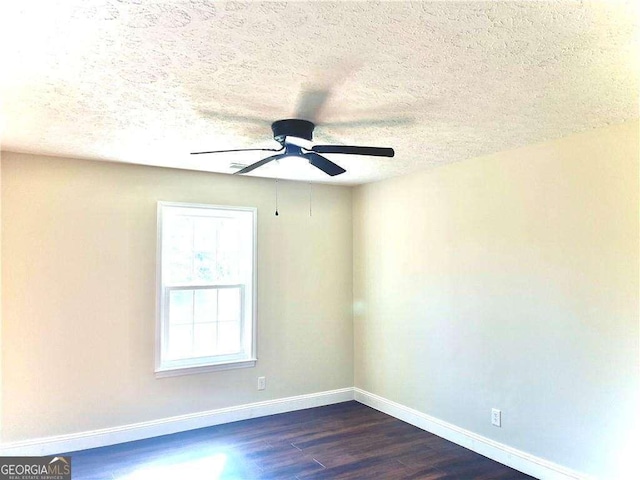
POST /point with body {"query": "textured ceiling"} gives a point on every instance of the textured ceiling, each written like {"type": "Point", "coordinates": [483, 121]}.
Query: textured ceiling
{"type": "Point", "coordinates": [147, 82]}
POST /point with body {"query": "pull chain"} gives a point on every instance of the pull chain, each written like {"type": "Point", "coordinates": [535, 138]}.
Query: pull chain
{"type": "Point", "coordinates": [277, 197]}
{"type": "Point", "coordinates": [310, 189]}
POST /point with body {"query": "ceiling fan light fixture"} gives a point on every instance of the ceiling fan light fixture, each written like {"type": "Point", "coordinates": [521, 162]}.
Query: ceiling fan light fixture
{"type": "Point", "coordinates": [299, 142]}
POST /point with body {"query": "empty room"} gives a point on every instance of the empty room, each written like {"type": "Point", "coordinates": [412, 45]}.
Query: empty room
{"type": "Point", "coordinates": [319, 240]}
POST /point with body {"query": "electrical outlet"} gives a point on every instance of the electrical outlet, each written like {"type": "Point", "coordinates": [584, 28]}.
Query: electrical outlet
{"type": "Point", "coordinates": [496, 417]}
{"type": "Point", "coordinates": [262, 383]}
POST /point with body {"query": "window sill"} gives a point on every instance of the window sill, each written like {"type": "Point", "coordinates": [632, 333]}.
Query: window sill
{"type": "Point", "coordinates": [177, 371]}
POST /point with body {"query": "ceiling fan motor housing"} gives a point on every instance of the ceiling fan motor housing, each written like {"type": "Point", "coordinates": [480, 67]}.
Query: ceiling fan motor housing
{"type": "Point", "coordinates": [292, 127]}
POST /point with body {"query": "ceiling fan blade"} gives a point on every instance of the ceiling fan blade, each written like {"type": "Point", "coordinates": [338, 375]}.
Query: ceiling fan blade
{"type": "Point", "coordinates": [324, 164]}
{"type": "Point", "coordinates": [264, 161]}
{"type": "Point", "coordinates": [310, 103]}
{"type": "Point", "coordinates": [370, 122]}
{"type": "Point", "coordinates": [228, 117]}
{"type": "Point", "coordinates": [351, 150]}
{"type": "Point", "coordinates": [241, 150]}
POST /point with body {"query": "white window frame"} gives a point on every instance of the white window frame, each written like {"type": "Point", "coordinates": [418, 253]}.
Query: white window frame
{"type": "Point", "coordinates": [169, 368]}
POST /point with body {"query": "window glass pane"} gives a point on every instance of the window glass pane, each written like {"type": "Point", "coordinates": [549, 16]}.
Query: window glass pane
{"type": "Point", "coordinates": [180, 306]}
{"type": "Point", "coordinates": [206, 305]}
{"type": "Point", "coordinates": [204, 339]}
{"type": "Point", "coordinates": [204, 234]}
{"type": "Point", "coordinates": [178, 246]}
{"type": "Point", "coordinates": [229, 305]}
{"type": "Point", "coordinates": [228, 253]}
{"type": "Point", "coordinates": [204, 267]}
{"type": "Point", "coordinates": [180, 342]}
{"type": "Point", "coordinates": [228, 338]}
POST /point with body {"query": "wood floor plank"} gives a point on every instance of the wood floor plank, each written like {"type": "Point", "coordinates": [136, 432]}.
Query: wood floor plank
{"type": "Point", "coordinates": [343, 441]}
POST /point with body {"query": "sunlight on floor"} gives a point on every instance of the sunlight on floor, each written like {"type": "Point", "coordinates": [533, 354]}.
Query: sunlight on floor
{"type": "Point", "coordinates": [210, 468]}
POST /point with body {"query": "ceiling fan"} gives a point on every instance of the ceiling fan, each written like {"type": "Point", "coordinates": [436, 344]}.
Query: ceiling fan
{"type": "Point", "coordinates": [296, 134]}
{"type": "Point", "coordinates": [289, 132]}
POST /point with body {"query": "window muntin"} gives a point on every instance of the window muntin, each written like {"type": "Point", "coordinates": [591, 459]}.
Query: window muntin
{"type": "Point", "coordinates": [206, 287]}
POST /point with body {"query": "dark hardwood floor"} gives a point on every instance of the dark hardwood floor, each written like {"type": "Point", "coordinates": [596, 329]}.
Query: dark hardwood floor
{"type": "Point", "coordinates": [343, 441]}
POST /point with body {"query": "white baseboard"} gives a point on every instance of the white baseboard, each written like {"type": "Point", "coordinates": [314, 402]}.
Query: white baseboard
{"type": "Point", "coordinates": [165, 426]}
{"type": "Point", "coordinates": [522, 461]}
{"type": "Point", "coordinates": [517, 459]}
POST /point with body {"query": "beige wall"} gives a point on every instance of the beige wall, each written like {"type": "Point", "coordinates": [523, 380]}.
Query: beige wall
{"type": "Point", "coordinates": [509, 281]}
{"type": "Point", "coordinates": [78, 258]}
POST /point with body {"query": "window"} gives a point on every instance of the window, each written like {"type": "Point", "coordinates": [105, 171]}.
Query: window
{"type": "Point", "coordinates": [206, 288]}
